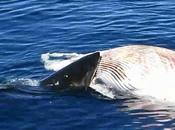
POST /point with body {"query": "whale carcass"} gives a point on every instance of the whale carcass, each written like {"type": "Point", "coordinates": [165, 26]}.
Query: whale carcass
{"type": "Point", "coordinates": [135, 70]}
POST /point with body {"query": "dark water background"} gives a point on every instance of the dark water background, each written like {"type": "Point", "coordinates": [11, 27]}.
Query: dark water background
{"type": "Point", "coordinates": [29, 28]}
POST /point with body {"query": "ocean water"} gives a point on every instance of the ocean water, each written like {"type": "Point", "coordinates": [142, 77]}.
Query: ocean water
{"type": "Point", "coordinates": [32, 31]}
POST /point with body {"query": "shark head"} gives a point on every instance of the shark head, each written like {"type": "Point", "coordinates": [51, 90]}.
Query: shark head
{"type": "Point", "coordinates": [77, 74]}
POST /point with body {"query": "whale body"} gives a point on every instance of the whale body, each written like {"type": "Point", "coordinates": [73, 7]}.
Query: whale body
{"type": "Point", "coordinates": [135, 70]}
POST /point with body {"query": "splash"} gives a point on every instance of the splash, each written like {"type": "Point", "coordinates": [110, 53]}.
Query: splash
{"type": "Point", "coordinates": [56, 61]}
{"type": "Point", "coordinates": [25, 81]}
{"type": "Point", "coordinates": [17, 83]}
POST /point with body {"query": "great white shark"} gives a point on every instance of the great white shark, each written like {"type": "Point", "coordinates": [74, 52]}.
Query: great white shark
{"type": "Point", "coordinates": [135, 70]}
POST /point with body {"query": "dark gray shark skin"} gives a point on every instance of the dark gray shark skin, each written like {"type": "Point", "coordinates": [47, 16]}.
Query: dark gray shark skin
{"type": "Point", "coordinates": [78, 73]}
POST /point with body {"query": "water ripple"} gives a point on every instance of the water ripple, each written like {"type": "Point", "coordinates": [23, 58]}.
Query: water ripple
{"type": "Point", "coordinates": [31, 28]}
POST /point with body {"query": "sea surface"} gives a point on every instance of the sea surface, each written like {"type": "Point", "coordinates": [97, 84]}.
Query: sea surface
{"type": "Point", "coordinates": [36, 36]}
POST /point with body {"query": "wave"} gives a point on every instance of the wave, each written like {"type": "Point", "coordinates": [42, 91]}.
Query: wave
{"type": "Point", "coordinates": [24, 88]}
{"type": "Point", "coordinates": [25, 81]}
{"type": "Point", "coordinates": [18, 83]}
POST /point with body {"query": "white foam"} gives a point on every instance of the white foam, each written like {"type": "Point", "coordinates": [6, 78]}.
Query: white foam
{"type": "Point", "coordinates": [25, 81]}
{"type": "Point", "coordinates": [56, 61]}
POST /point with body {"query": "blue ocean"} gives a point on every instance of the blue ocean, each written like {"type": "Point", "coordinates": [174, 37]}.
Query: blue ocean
{"type": "Point", "coordinates": [37, 36]}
